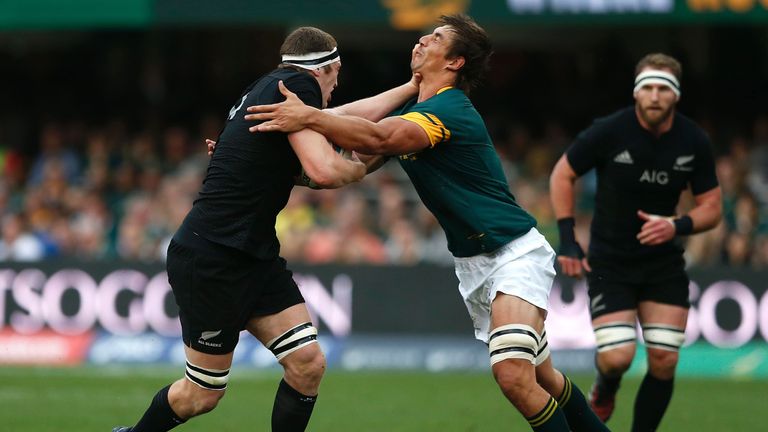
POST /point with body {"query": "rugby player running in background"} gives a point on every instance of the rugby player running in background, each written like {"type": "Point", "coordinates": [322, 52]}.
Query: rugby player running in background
{"type": "Point", "coordinates": [645, 155]}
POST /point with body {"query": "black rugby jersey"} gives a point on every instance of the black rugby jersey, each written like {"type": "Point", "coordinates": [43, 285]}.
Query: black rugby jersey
{"type": "Point", "coordinates": [250, 175]}
{"type": "Point", "coordinates": [638, 171]}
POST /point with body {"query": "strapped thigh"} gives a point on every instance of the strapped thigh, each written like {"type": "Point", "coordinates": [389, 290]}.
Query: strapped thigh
{"type": "Point", "coordinates": [663, 336]}
{"type": "Point", "coordinates": [210, 379]}
{"type": "Point", "coordinates": [513, 341]}
{"type": "Point", "coordinates": [542, 354]}
{"type": "Point", "coordinates": [614, 335]}
{"type": "Point", "coordinates": [292, 340]}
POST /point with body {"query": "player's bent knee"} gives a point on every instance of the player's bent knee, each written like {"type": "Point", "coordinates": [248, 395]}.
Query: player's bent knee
{"type": "Point", "coordinates": [308, 363]}
{"type": "Point", "coordinates": [207, 401]}
{"type": "Point", "coordinates": [194, 399]}
{"type": "Point", "coordinates": [617, 360]}
{"type": "Point", "coordinates": [514, 379]}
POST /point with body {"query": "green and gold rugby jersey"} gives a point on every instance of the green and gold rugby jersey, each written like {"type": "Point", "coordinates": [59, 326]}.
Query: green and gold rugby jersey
{"type": "Point", "coordinates": [459, 177]}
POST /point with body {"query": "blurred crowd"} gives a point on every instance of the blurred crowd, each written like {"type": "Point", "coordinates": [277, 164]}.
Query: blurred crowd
{"type": "Point", "coordinates": [109, 192]}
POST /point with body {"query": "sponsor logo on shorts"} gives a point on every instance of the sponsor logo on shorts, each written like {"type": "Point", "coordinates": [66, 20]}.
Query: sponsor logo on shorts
{"type": "Point", "coordinates": [206, 336]}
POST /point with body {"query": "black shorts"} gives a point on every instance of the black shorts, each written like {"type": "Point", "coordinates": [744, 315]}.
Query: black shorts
{"type": "Point", "coordinates": [617, 285]}
{"type": "Point", "coordinates": [218, 290]}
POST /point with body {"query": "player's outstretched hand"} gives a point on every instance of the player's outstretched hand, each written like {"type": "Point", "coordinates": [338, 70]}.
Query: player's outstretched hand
{"type": "Point", "coordinates": [656, 229]}
{"type": "Point", "coordinates": [287, 116]}
{"type": "Point", "coordinates": [211, 146]}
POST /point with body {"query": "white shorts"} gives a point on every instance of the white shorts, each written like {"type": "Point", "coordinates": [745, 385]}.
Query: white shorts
{"type": "Point", "coordinates": [524, 267]}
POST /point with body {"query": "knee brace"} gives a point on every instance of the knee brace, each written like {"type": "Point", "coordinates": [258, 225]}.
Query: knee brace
{"type": "Point", "coordinates": [513, 341]}
{"type": "Point", "coordinates": [211, 379]}
{"type": "Point", "coordinates": [613, 335]}
{"type": "Point", "coordinates": [662, 336]}
{"type": "Point", "coordinates": [543, 352]}
{"type": "Point", "coordinates": [292, 340]}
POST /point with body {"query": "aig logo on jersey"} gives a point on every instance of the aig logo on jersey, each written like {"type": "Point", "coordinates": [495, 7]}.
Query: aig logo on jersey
{"type": "Point", "coordinates": [655, 177]}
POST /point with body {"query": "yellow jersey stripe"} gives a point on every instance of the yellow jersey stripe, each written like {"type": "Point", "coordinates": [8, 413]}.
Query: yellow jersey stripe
{"type": "Point", "coordinates": [435, 129]}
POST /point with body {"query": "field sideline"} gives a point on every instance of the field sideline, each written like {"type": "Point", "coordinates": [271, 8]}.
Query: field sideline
{"type": "Point", "coordinates": [94, 399]}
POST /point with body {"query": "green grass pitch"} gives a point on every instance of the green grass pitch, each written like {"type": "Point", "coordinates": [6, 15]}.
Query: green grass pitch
{"type": "Point", "coordinates": [95, 399]}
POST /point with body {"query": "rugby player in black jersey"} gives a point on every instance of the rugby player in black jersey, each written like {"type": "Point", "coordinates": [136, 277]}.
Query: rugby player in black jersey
{"type": "Point", "coordinates": [223, 262]}
{"type": "Point", "coordinates": [645, 156]}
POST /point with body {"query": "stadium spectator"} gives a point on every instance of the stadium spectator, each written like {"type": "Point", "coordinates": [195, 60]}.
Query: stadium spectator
{"type": "Point", "coordinates": [18, 244]}
{"type": "Point", "coordinates": [54, 153]}
{"type": "Point", "coordinates": [644, 156]}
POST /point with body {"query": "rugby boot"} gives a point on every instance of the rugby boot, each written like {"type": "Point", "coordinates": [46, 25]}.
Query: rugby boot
{"type": "Point", "coordinates": [601, 403]}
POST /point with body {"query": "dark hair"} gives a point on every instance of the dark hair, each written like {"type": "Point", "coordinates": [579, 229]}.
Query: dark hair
{"type": "Point", "coordinates": [660, 61]}
{"type": "Point", "coordinates": [471, 42]}
{"type": "Point", "coordinates": [305, 40]}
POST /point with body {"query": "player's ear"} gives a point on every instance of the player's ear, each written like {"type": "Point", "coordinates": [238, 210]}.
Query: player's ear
{"type": "Point", "coordinates": [315, 72]}
{"type": "Point", "coordinates": [456, 63]}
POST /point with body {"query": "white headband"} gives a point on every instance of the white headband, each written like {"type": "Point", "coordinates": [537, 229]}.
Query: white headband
{"type": "Point", "coordinates": [657, 77]}
{"type": "Point", "coordinates": [314, 60]}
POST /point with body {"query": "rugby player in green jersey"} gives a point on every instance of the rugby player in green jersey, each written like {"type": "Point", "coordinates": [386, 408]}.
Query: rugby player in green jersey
{"type": "Point", "coordinates": [504, 265]}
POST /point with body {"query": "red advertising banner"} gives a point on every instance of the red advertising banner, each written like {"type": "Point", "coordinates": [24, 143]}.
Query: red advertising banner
{"type": "Point", "coordinates": [44, 347]}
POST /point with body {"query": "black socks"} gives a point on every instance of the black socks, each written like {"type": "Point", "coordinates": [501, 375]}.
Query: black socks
{"type": "Point", "coordinates": [651, 403]}
{"type": "Point", "coordinates": [159, 417]}
{"type": "Point", "coordinates": [292, 409]}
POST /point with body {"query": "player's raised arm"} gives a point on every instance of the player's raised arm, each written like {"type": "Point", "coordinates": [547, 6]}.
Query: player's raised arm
{"type": "Point", "coordinates": [377, 107]}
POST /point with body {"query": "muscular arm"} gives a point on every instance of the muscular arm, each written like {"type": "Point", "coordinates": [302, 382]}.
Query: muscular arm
{"type": "Point", "coordinates": [708, 210]}
{"type": "Point", "coordinates": [561, 191]}
{"type": "Point", "coordinates": [321, 163]}
{"type": "Point", "coordinates": [561, 188]}
{"type": "Point", "coordinates": [377, 107]}
{"type": "Point", "coordinates": [390, 136]}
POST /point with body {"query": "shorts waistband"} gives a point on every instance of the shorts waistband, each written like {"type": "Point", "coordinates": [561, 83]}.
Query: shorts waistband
{"type": "Point", "coordinates": [519, 246]}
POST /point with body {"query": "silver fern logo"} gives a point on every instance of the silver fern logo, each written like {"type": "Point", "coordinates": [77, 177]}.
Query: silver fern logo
{"type": "Point", "coordinates": [209, 334]}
